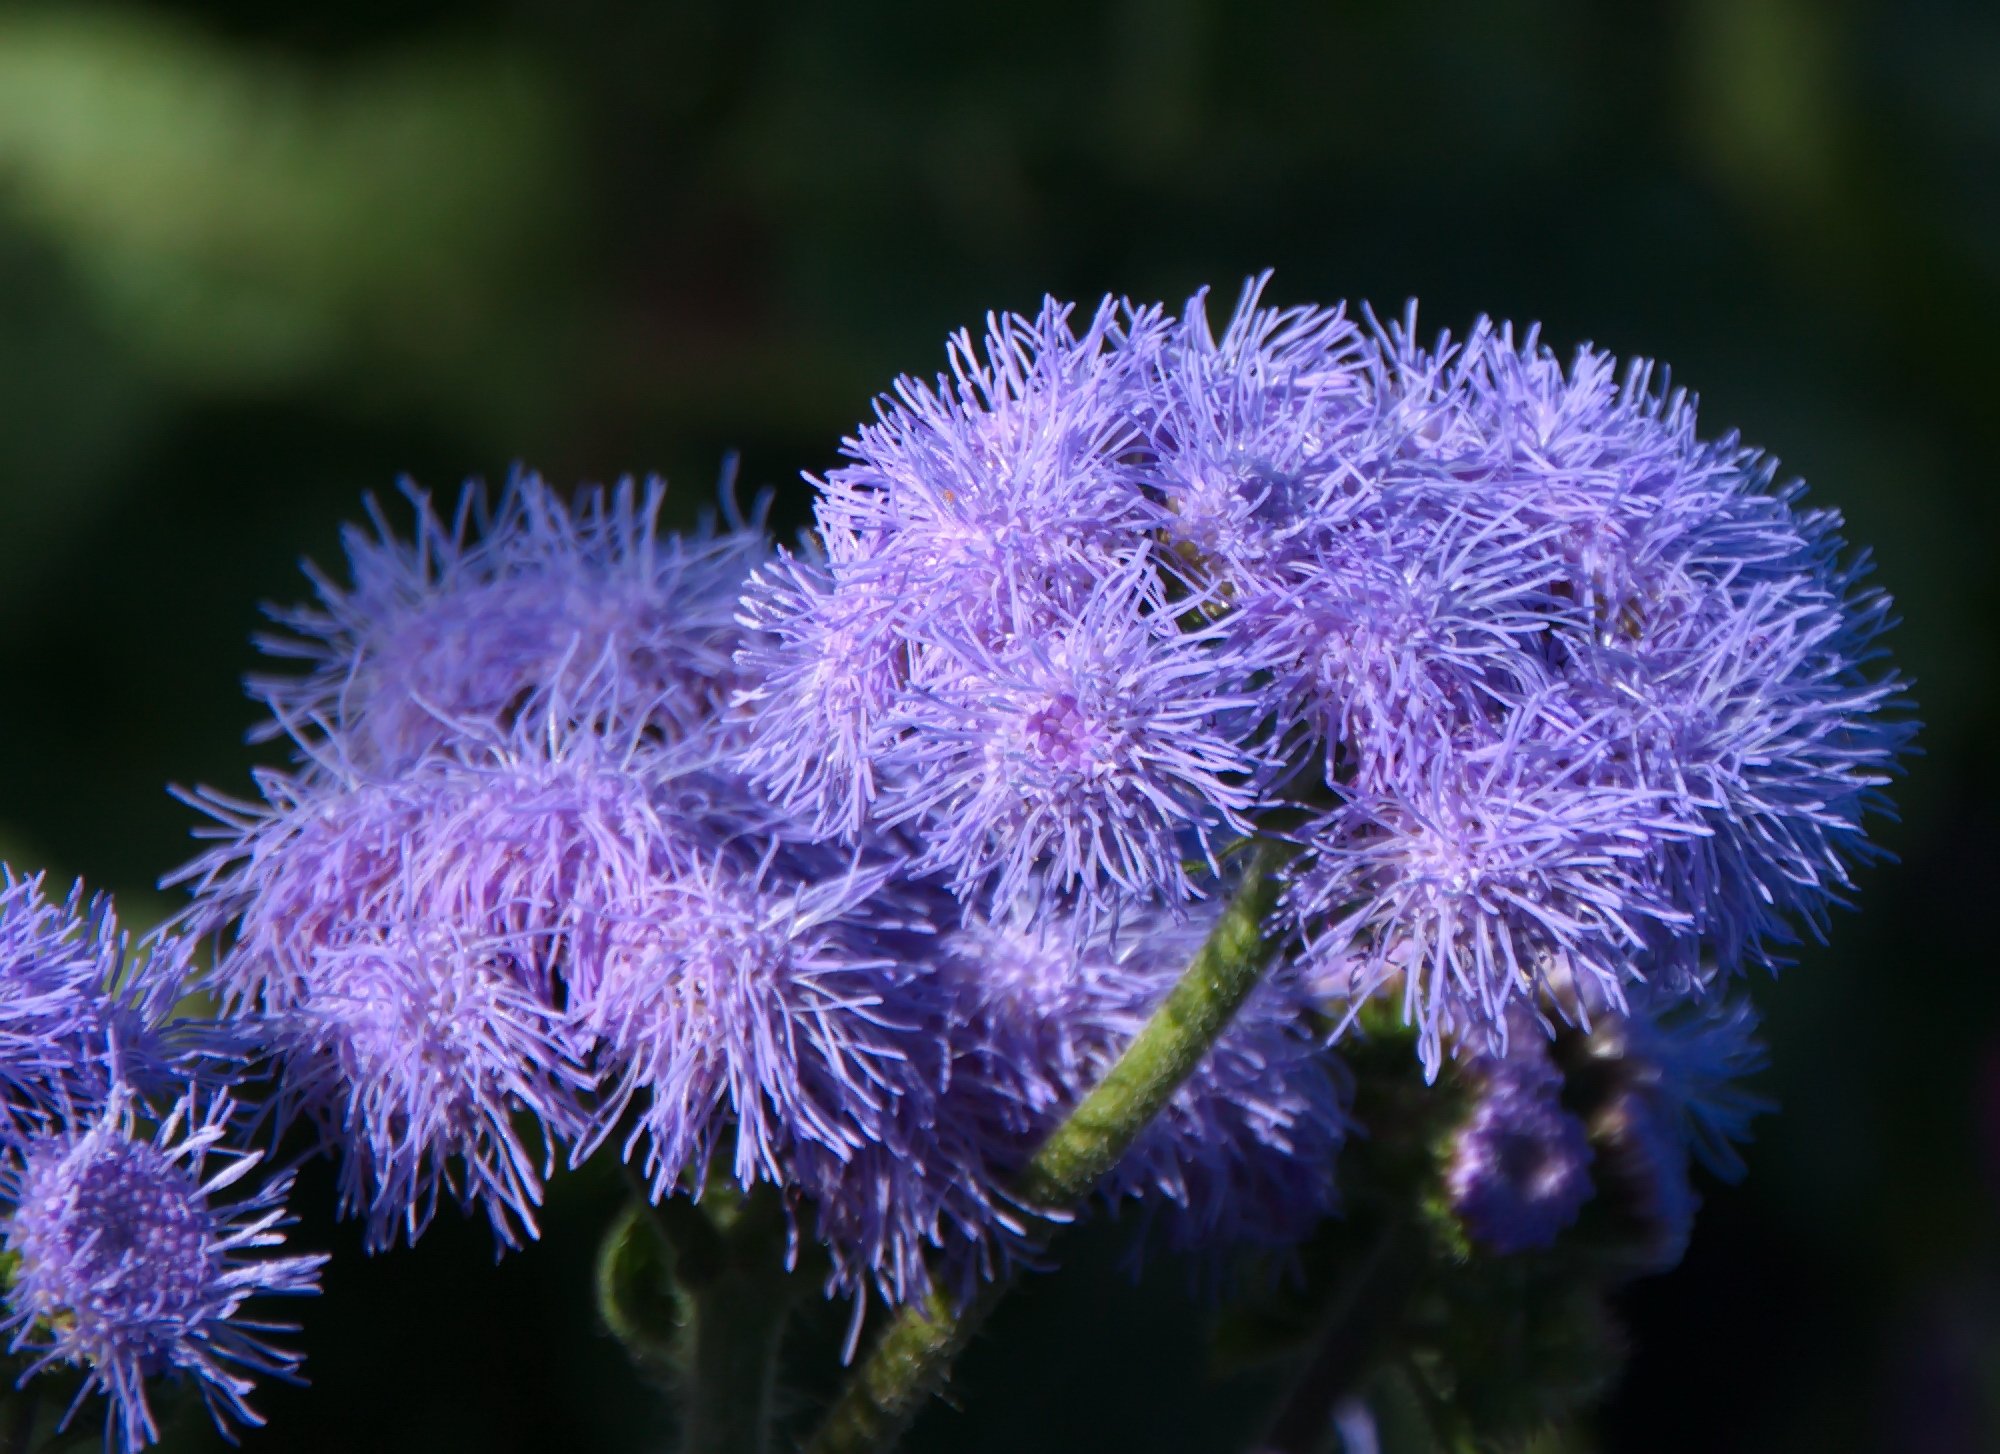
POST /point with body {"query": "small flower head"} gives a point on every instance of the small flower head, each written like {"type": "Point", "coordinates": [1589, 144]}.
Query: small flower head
{"type": "Point", "coordinates": [1092, 750]}
{"type": "Point", "coordinates": [1401, 630]}
{"type": "Point", "coordinates": [77, 1008]}
{"type": "Point", "coordinates": [133, 1264]}
{"type": "Point", "coordinates": [1753, 709]}
{"type": "Point", "coordinates": [1690, 1059]}
{"type": "Point", "coordinates": [1246, 435]}
{"type": "Point", "coordinates": [829, 661]}
{"type": "Point", "coordinates": [976, 501]}
{"type": "Point", "coordinates": [992, 647]}
{"type": "Point", "coordinates": [1011, 472]}
{"type": "Point", "coordinates": [420, 1050]}
{"type": "Point", "coordinates": [399, 944]}
{"type": "Point", "coordinates": [500, 606]}
{"type": "Point", "coordinates": [745, 993]}
{"type": "Point", "coordinates": [1485, 874]}
{"type": "Point", "coordinates": [1597, 700]}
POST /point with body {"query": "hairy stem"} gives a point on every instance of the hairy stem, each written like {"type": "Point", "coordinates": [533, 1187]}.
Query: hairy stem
{"type": "Point", "coordinates": [635, 1292]}
{"type": "Point", "coordinates": [914, 1355]}
{"type": "Point", "coordinates": [1095, 1136]}
{"type": "Point", "coordinates": [738, 1324]}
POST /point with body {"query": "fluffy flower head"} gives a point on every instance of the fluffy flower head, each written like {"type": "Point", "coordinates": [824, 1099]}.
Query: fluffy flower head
{"type": "Point", "coordinates": [77, 1008]}
{"type": "Point", "coordinates": [133, 1263]}
{"type": "Point", "coordinates": [501, 605]}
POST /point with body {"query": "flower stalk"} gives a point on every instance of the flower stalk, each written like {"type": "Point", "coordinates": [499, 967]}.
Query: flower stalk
{"type": "Point", "coordinates": [738, 1324]}
{"type": "Point", "coordinates": [701, 1294]}
{"type": "Point", "coordinates": [913, 1357]}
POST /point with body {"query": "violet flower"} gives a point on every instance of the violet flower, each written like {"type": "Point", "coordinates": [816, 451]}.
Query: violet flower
{"type": "Point", "coordinates": [135, 1260]}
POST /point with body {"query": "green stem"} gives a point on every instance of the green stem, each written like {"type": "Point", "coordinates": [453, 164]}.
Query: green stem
{"type": "Point", "coordinates": [635, 1292]}
{"type": "Point", "coordinates": [906, 1366]}
{"type": "Point", "coordinates": [1095, 1136]}
{"type": "Point", "coordinates": [739, 1322]}
{"type": "Point", "coordinates": [914, 1355]}
{"type": "Point", "coordinates": [700, 1295]}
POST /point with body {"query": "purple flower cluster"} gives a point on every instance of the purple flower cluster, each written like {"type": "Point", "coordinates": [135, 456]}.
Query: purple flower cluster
{"type": "Point", "coordinates": [118, 1138]}
{"type": "Point", "coordinates": [502, 876]}
{"type": "Point", "coordinates": [984, 649]}
{"type": "Point", "coordinates": [1564, 692]}
{"type": "Point", "coordinates": [511, 902]}
{"type": "Point", "coordinates": [851, 869]}
{"type": "Point", "coordinates": [64, 1001]}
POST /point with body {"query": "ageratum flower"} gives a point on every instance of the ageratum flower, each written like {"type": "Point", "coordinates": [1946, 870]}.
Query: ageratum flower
{"type": "Point", "coordinates": [993, 646]}
{"type": "Point", "coordinates": [418, 1049]}
{"type": "Point", "coordinates": [1246, 437]}
{"type": "Point", "coordinates": [1094, 749]}
{"type": "Point", "coordinates": [1405, 626]}
{"type": "Point", "coordinates": [1690, 1059]}
{"type": "Point", "coordinates": [750, 994]}
{"type": "Point", "coordinates": [1731, 651]}
{"type": "Point", "coordinates": [135, 1261]}
{"type": "Point", "coordinates": [1637, 717]}
{"type": "Point", "coordinates": [1755, 713]}
{"type": "Point", "coordinates": [1480, 876]}
{"type": "Point", "coordinates": [976, 500]}
{"type": "Point", "coordinates": [398, 945]}
{"type": "Point", "coordinates": [77, 1010]}
{"type": "Point", "coordinates": [548, 941]}
{"type": "Point", "coordinates": [829, 660]}
{"type": "Point", "coordinates": [1013, 473]}
{"type": "Point", "coordinates": [502, 605]}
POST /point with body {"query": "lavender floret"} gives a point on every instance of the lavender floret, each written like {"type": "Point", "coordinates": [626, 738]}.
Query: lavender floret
{"type": "Point", "coordinates": [1091, 750]}
{"type": "Point", "coordinates": [1690, 1060]}
{"type": "Point", "coordinates": [745, 995]}
{"type": "Point", "coordinates": [503, 605]}
{"type": "Point", "coordinates": [1490, 872]}
{"type": "Point", "coordinates": [397, 945]}
{"type": "Point", "coordinates": [132, 1263]}
{"type": "Point", "coordinates": [81, 1007]}
{"type": "Point", "coordinates": [1247, 436]}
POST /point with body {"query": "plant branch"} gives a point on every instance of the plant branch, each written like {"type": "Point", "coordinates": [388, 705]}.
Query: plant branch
{"type": "Point", "coordinates": [914, 1355]}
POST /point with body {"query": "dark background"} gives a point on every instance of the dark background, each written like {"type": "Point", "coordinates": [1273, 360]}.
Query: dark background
{"type": "Point", "coordinates": [256, 260]}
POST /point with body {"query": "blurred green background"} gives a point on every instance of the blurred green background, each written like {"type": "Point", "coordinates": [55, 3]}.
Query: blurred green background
{"type": "Point", "coordinates": [258, 259]}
